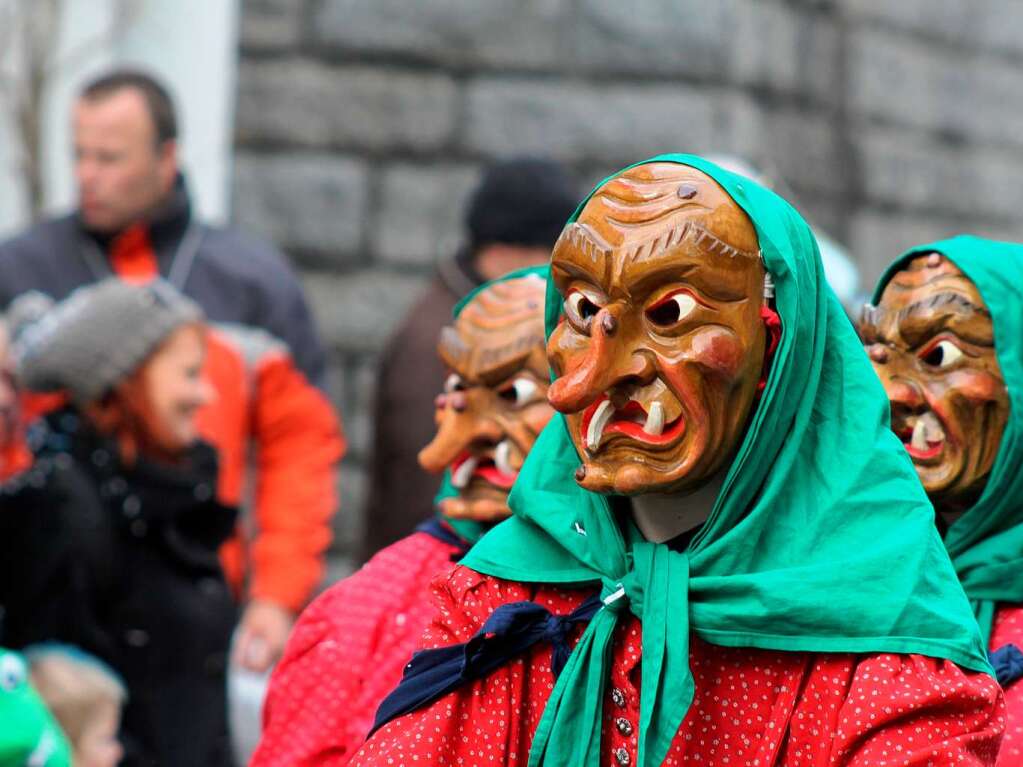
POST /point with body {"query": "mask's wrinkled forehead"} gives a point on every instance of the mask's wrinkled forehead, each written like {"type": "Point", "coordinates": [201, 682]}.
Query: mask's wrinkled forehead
{"type": "Point", "coordinates": [499, 332]}
{"type": "Point", "coordinates": [929, 294]}
{"type": "Point", "coordinates": [654, 208]}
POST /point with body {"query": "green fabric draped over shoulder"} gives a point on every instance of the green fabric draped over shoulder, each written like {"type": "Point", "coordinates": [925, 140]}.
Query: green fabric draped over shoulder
{"type": "Point", "coordinates": [469, 529]}
{"type": "Point", "coordinates": [986, 542]}
{"type": "Point", "coordinates": [821, 538]}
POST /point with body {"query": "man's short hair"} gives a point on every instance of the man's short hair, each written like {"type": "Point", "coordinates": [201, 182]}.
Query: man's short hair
{"type": "Point", "coordinates": [157, 98]}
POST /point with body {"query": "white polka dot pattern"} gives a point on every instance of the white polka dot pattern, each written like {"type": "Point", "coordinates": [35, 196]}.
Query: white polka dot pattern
{"type": "Point", "coordinates": [752, 707]}
{"type": "Point", "coordinates": [1008, 629]}
{"type": "Point", "coordinates": [346, 653]}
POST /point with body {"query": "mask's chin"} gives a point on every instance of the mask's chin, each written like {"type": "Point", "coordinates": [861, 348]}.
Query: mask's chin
{"type": "Point", "coordinates": [489, 509]}
{"type": "Point", "coordinates": [633, 476]}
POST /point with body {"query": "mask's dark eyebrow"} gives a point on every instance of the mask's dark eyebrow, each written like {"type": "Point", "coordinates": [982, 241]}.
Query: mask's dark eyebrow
{"type": "Point", "coordinates": [489, 365]}
{"type": "Point", "coordinates": [955, 302]}
{"type": "Point", "coordinates": [586, 240]}
{"type": "Point", "coordinates": [947, 308]}
{"type": "Point", "coordinates": [495, 365]}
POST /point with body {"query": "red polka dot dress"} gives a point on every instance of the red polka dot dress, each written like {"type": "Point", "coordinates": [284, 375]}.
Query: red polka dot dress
{"type": "Point", "coordinates": [346, 653]}
{"type": "Point", "coordinates": [752, 707]}
{"type": "Point", "coordinates": [1008, 629]}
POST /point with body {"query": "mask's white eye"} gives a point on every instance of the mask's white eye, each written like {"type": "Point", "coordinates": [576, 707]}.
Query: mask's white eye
{"type": "Point", "coordinates": [671, 309]}
{"type": "Point", "coordinates": [453, 382]}
{"type": "Point", "coordinates": [580, 308]}
{"type": "Point", "coordinates": [520, 392]}
{"type": "Point", "coordinates": [12, 672]}
{"type": "Point", "coordinates": [942, 354]}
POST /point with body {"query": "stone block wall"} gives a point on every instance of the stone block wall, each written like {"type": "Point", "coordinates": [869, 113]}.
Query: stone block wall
{"type": "Point", "coordinates": [362, 124]}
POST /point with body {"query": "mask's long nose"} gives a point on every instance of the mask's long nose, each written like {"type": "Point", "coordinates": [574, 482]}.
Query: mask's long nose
{"type": "Point", "coordinates": [459, 426]}
{"type": "Point", "coordinates": [904, 394]}
{"type": "Point", "coordinates": [586, 378]}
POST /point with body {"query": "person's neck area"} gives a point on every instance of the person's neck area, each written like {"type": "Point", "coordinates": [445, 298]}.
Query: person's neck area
{"type": "Point", "coordinates": [951, 516]}
{"type": "Point", "coordinates": [171, 211]}
{"type": "Point", "coordinates": [661, 517]}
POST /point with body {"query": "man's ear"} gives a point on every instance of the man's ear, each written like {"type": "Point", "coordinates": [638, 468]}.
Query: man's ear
{"type": "Point", "coordinates": [167, 163]}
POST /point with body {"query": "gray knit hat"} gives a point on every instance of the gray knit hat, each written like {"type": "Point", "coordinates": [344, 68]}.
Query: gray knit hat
{"type": "Point", "coordinates": [95, 337]}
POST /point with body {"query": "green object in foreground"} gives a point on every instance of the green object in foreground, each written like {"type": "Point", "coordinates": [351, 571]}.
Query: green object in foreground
{"type": "Point", "coordinates": [986, 542]}
{"type": "Point", "coordinates": [821, 540]}
{"type": "Point", "coordinates": [29, 736]}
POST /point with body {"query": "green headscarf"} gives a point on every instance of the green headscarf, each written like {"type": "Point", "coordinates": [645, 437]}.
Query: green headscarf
{"type": "Point", "coordinates": [986, 542]}
{"type": "Point", "coordinates": [28, 733]}
{"type": "Point", "coordinates": [821, 540]}
{"type": "Point", "coordinates": [469, 529]}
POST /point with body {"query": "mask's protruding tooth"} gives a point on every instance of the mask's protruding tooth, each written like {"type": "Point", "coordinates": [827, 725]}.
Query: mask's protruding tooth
{"type": "Point", "coordinates": [933, 431]}
{"type": "Point", "coordinates": [460, 477]}
{"type": "Point", "coordinates": [919, 439]}
{"type": "Point", "coordinates": [502, 458]}
{"type": "Point", "coordinates": [655, 420]}
{"type": "Point", "coordinates": [596, 429]}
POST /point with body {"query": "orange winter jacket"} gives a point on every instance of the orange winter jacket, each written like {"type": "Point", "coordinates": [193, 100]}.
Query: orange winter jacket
{"type": "Point", "coordinates": [269, 416]}
{"type": "Point", "coordinates": [278, 437]}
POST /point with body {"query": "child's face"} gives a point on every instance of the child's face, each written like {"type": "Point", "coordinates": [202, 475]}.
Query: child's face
{"type": "Point", "coordinates": [8, 393]}
{"type": "Point", "coordinates": [99, 746]}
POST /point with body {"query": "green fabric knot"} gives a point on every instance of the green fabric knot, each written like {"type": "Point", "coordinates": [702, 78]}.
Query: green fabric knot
{"type": "Point", "coordinates": [614, 596]}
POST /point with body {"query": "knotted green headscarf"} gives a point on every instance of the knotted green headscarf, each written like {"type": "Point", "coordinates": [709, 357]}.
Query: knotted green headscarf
{"type": "Point", "coordinates": [986, 542]}
{"type": "Point", "coordinates": [821, 539]}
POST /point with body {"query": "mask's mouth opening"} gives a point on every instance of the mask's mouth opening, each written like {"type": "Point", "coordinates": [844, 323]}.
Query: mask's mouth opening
{"type": "Point", "coordinates": [492, 466]}
{"type": "Point", "coordinates": [923, 436]}
{"type": "Point", "coordinates": [632, 420]}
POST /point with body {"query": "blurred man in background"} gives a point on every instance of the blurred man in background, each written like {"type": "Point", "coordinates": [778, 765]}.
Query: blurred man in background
{"type": "Point", "coordinates": [512, 221]}
{"type": "Point", "coordinates": [135, 220]}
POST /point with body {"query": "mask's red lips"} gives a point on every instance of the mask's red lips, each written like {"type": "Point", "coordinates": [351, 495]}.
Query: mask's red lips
{"type": "Point", "coordinates": [632, 421]}
{"type": "Point", "coordinates": [483, 467]}
{"type": "Point", "coordinates": [916, 451]}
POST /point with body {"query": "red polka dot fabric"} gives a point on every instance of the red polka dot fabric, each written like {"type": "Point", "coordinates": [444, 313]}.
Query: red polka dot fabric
{"type": "Point", "coordinates": [1008, 629]}
{"type": "Point", "coordinates": [346, 653]}
{"type": "Point", "coordinates": [752, 707]}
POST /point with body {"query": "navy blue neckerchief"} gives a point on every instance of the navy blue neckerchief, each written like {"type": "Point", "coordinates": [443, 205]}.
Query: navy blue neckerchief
{"type": "Point", "coordinates": [1008, 663]}
{"type": "Point", "coordinates": [509, 631]}
{"type": "Point", "coordinates": [436, 528]}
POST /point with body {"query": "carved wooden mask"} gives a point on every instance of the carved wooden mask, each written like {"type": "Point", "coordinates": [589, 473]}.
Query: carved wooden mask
{"type": "Point", "coordinates": [661, 345]}
{"type": "Point", "coordinates": [495, 400]}
{"type": "Point", "coordinates": [931, 341]}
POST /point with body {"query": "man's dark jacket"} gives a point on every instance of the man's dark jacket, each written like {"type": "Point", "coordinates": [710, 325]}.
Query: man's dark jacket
{"type": "Point", "coordinates": [409, 378]}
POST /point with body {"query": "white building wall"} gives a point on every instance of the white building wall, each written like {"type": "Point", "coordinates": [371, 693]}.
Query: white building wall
{"type": "Point", "coordinates": [189, 44]}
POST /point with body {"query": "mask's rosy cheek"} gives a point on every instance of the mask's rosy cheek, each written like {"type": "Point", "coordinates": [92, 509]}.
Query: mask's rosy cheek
{"type": "Point", "coordinates": [977, 386]}
{"type": "Point", "coordinates": [719, 352]}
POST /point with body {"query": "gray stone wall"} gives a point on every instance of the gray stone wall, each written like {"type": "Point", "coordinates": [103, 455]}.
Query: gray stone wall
{"type": "Point", "coordinates": [890, 122]}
